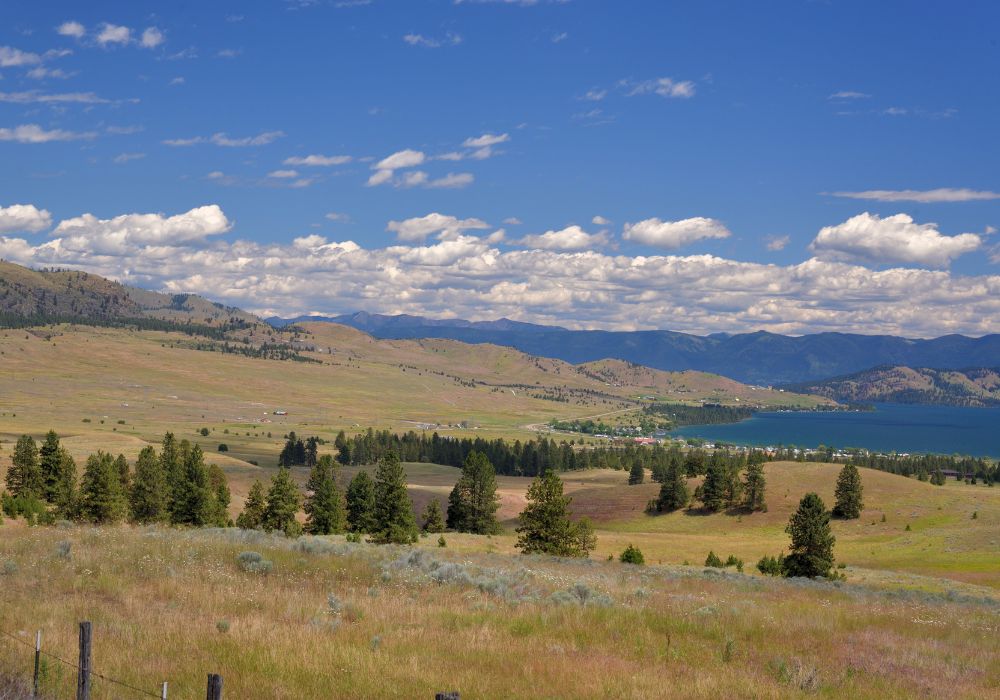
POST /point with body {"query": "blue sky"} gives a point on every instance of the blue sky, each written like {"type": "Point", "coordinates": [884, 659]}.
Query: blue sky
{"type": "Point", "coordinates": [595, 164]}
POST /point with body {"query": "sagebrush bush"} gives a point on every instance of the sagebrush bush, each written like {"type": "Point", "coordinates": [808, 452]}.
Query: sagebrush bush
{"type": "Point", "coordinates": [254, 563]}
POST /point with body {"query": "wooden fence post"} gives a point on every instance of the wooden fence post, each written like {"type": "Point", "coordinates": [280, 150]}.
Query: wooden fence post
{"type": "Point", "coordinates": [163, 691]}
{"type": "Point", "coordinates": [38, 655]}
{"type": "Point", "coordinates": [83, 679]}
{"type": "Point", "coordinates": [214, 687]}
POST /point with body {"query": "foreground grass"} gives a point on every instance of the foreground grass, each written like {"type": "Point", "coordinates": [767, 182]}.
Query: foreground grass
{"type": "Point", "coordinates": [406, 622]}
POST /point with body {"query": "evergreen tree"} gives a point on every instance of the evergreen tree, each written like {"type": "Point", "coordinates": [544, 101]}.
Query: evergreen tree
{"type": "Point", "coordinates": [636, 474]}
{"type": "Point", "coordinates": [121, 465]}
{"type": "Point", "coordinates": [172, 464]}
{"type": "Point", "coordinates": [361, 503]}
{"type": "Point", "coordinates": [311, 454]}
{"type": "Point", "coordinates": [433, 518]}
{"type": "Point", "coordinates": [283, 501]}
{"type": "Point", "coordinates": [712, 492]}
{"type": "Point", "coordinates": [101, 497]}
{"type": "Point", "coordinates": [848, 503]}
{"type": "Point", "coordinates": [394, 522]}
{"type": "Point", "coordinates": [812, 542]}
{"type": "Point", "coordinates": [473, 502]}
{"type": "Point", "coordinates": [49, 462]}
{"type": "Point", "coordinates": [65, 495]}
{"type": "Point", "coordinates": [674, 491]}
{"type": "Point", "coordinates": [149, 489]}
{"type": "Point", "coordinates": [545, 525]}
{"type": "Point", "coordinates": [343, 447]}
{"type": "Point", "coordinates": [694, 463]}
{"type": "Point", "coordinates": [252, 517]}
{"type": "Point", "coordinates": [754, 486]}
{"type": "Point", "coordinates": [323, 506]}
{"type": "Point", "coordinates": [632, 555]}
{"type": "Point", "coordinates": [218, 487]}
{"type": "Point", "coordinates": [193, 502]}
{"type": "Point", "coordinates": [24, 476]}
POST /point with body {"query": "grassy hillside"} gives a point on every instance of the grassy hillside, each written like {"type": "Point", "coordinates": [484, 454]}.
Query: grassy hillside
{"type": "Point", "coordinates": [333, 619]}
{"type": "Point", "coordinates": [81, 295]}
{"type": "Point", "coordinates": [967, 387]}
{"type": "Point", "coordinates": [153, 381]}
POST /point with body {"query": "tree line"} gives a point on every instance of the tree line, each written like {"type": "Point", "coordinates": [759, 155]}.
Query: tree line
{"type": "Point", "coordinates": [173, 486]}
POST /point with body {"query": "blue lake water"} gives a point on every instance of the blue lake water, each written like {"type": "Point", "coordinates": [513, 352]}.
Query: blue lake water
{"type": "Point", "coordinates": [890, 427]}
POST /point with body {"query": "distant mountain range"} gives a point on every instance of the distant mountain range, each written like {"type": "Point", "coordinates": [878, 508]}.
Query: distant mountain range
{"type": "Point", "coordinates": [968, 387]}
{"type": "Point", "coordinates": [759, 358]}
{"type": "Point", "coordinates": [376, 324]}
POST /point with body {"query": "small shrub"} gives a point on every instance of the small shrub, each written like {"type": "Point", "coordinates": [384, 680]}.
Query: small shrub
{"type": "Point", "coordinates": [9, 568]}
{"type": "Point", "coordinates": [771, 566]}
{"type": "Point", "coordinates": [254, 563]}
{"type": "Point", "coordinates": [375, 643]}
{"type": "Point", "coordinates": [883, 517]}
{"type": "Point", "coordinates": [734, 561]}
{"type": "Point", "coordinates": [713, 560]}
{"type": "Point", "coordinates": [975, 515]}
{"type": "Point", "coordinates": [86, 420]}
{"type": "Point", "coordinates": [121, 422]}
{"type": "Point", "coordinates": [355, 537]}
{"type": "Point", "coordinates": [334, 605]}
{"type": "Point", "coordinates": [222, 626]}
{"type": "Point", "coordinates": [632, 555]}
{"type": "Point", "coordinates": [64, 549]}
{"type": "Point", "coordinates": [908, 528]}
{"type": "Point", "coordinates": [728, 651]}
{"type": "Point", "coordinates": [442, 542]}
{"type": "Point", "coordinates": [204, 432]}
{"type": "Point", "coordinates": [223, 447]}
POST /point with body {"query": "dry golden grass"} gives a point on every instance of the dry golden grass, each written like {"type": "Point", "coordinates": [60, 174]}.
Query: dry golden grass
{"type": "Point", "coordinates": [174, 605]}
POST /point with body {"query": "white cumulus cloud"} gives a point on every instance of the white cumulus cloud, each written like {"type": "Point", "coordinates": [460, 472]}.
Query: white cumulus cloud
{"type": "Point", "coordinates": [113, 34]}
{"type": "Point", "coordinates": [24, 218]}
{"type": "Point", "coordinates": [674, 234]}
{"type": "Point", "coordinates": [71, 28]}
{"type": "Point", "coordinates": [419, 228]}
{"type": "Point", "coordinates": [33, 133]}
{"type": "Point", "coordinates": [570, 238]}
{"type": "Point", "coordinates": [893, 239]}
{"type": "Point", "coordinates": [316, 160]}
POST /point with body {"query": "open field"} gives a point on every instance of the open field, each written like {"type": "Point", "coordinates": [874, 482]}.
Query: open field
{"type": "Point", "coordinates": [175, 605]}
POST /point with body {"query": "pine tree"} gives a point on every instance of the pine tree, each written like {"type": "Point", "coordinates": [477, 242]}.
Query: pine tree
{"type": "Point", "coordinates": [218, 487]}
{"type": "Point", "coordinates": [545, 525]}
{"type": "Point", "coordinates": [172, 464]}
{"type": "Point", "coordinates": [65, 496]}
{"type": "Point", "coordinates": [674, 491]}
{"type": "Point", "coordinates": [433, 518]}
{"type": "Point", "coordinates": [394, 522]}
{"type": "Point", "coordinates": [636, 474]}
{"type": "Point", "coordinates": [812, 542]}
{"type": "Point", "coordinates": [252, 517]}
{"type": "Point", "coordinates": [283, 501]}
{"type": "Point", "coordinates": [148, 498]}
{"type": "Point", "coordinates": [848, 503]}
{"type": "Point", "coordinates": [49, 463]}
{"type": "Point", "coordinates": [361, 503]}
{"type": "Point", "coordinates": [473, 502]}
{"type": "Point", "coordinates": [323, 506]}
{"type": "Point", "coordinates": [101, 497]}
{"type": "Point", "coordinates": [712, 491]}
{"type": "Point", "coordinates": [754, 486]}
{"type": "Point", "coordinates": [193, 498]}
{"type": "Point", "coordinates": [24, 476]}
{"type": "Point", "coordinates": [121, 465]}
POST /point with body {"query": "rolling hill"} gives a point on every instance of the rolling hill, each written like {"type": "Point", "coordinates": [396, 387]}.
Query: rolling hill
{"type": "Point", "coordinates": [47, 295]}
{"type": "Point", "coordinates": [759, 358]}
{"type": "Point", "coordinates": [895, 384]}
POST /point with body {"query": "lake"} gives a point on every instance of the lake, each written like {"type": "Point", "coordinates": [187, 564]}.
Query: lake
{"type": "Point", "coordinates": [890, 427]}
